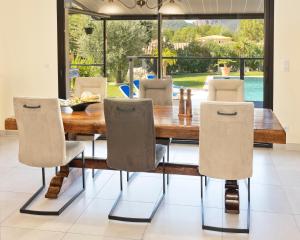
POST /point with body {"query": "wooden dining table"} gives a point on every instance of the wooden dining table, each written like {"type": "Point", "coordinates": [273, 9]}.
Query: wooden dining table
{"type": "Point", "coordinates": [267, 129]}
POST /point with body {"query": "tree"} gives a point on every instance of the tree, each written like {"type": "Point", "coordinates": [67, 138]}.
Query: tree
{"type": "Point", "coordinates": [125, 38]}
{"type": "Point", "coordinates": [251, 30]}
{"type": "Point", "coordinates": [83, 45]}
{"type": "Point", "coordinates": [194, 49]}
{"type": "Point", "coordinates": [186, 34]}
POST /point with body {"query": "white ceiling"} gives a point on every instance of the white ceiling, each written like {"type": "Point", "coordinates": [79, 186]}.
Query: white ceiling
{"type": "Point", "coordinates": [191, 6]}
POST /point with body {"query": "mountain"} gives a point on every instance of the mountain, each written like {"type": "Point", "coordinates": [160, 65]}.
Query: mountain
{"type": "Point", "coordinates": [175, 24]}
{"type": "Point", "coordinates": [231, 24]}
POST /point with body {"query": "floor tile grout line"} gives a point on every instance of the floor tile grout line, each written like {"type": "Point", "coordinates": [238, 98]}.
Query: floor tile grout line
{"type": "Point", "coordinates": [88, 205]}
{"type": "Point", "coordinates": [35, 229]}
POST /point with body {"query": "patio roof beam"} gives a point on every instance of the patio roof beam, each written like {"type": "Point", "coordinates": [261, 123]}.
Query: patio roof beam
{"type": "Point", "coordinates": [99, 16]}
{"type": "Point", "coordinates": [189, 16]}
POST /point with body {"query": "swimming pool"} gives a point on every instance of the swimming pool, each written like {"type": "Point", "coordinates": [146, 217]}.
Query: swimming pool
{"type": "Point", "coordinates": [254, 89]}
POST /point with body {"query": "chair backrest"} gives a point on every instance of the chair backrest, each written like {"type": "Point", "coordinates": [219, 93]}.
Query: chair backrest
{"type": "Point", "coordinates": [227, 90]}
{"type": "Point", "coordinates": [130, 134]}
{"type": "Point", "coordinates": [160, 91]}
{"type": "Point", "coordinates": [41, 132]}
{"type": "Point", "coordinates": [226, 140]}
{"type": "Point", "coordinates": [95, 85]}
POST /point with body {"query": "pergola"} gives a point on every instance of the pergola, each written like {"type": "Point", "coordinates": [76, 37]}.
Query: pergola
{"type": "Point", "coordinates": [191, 9]}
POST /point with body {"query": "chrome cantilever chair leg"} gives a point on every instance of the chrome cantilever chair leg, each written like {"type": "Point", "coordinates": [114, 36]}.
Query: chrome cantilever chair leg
{"type": "Point", "coordinates": [129, 219]}
{"type": "Point", "coordinates": [168, 160]}
{"type": "Point", "coordinates": [94, 172]}
{"type": "Point", "coordinates": [129, 176]}
{"type": "Point", "coordinates": [221, 229]}
{"type": "Point", "coordinates": [55, 213]}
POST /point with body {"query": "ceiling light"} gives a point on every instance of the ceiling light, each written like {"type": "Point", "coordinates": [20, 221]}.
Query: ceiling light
{"type": "Point", "coordinates": [116, 6]}
{"type": "Point", "coordinates": [170, 7]}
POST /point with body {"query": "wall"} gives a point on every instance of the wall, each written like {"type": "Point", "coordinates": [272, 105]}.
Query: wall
{"type": "Point", "coordinates": [286, 67]}
{"type": "Point", "coordinates": [28, 51]}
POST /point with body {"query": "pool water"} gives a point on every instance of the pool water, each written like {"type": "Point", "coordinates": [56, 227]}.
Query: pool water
{"type": "Point", "coordinates": [254, 89]}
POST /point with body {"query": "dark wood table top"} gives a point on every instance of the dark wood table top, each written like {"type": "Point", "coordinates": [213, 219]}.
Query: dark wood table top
{"type": "Point", "coordinates": [267, 128]}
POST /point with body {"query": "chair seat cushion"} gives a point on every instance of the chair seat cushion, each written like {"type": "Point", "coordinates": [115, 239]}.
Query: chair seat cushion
{"type": "Point", "coordinates": [160, 152]}
{"type": "Point", "coordinates": [87, 137]}
{"type": "Point", "coordinates": [73, 148]}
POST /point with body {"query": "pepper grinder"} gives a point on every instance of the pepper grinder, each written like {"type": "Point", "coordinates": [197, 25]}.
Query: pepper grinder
{"type": "Point", "coordinates": [181, 103]}
{"type": "Point", "coordinates": [188, 106]}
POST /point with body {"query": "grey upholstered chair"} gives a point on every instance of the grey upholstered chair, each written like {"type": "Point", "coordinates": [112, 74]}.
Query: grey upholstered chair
{"type": "Point", "coordinates": [161, 93]}
{"type": "Point", "coordinates": [42, 142]}
{"type": "Point", "coordinates": [96, 86]}
{"type": "Point", "coordinates": [231, 90]}
{"type": "Point", "coordinates": [131, 143]}
{"type": "Point", "coordinates": [226, 146]}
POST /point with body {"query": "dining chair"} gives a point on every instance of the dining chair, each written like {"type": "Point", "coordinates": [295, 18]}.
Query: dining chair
{"type": "Point", "coordinates": [161, 93]}
{"type": "Point", "coordinates": [231, 90]}
{"type": "Point", "coordinates": [131, 144]}
{"type": "Point", "coordinates": [42, 142]}
{"type": "Point", "coordinates": [96, 86]}
{"type": "Point", "coordinates": [226, 147]}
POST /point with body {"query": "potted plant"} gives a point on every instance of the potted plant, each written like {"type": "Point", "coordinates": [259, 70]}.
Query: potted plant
{"type": "Point", "coordinates": [225, 66]}
{"type": "Point", "coordinates": [89, 29]}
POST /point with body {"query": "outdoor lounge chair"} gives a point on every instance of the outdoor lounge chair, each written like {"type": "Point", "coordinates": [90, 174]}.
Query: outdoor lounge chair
{"type": "Point", "coordinates": [125, 90]}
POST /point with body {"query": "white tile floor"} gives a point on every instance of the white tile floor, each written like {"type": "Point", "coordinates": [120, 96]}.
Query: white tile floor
{"type": "Point", "coordinates": [275, 202]}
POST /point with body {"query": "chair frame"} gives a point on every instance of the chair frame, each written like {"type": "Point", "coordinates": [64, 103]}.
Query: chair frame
{"type": "Point", "coordinates": [53, 213]}
{"type": "Point", "coordinates": [94, 172]}
{"type": "Point", "coordinates": [221, 229]}
{"type": "Point", "coordinates": [129, 219]}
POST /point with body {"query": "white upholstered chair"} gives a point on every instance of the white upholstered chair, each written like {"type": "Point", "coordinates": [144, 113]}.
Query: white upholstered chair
{"type": "Point", "coordinates": [226, 145]}
{"type": "Point", "coordinates": [230, 90]}
{"type": "Point", "coordinates": [96, 86]}
{"type": "Point", "coordinates": [161, 93]}
{"type": "Point", "coordinates": [42, 142]}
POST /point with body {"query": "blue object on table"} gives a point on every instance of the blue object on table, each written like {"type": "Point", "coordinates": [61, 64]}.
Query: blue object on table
{"type": "Point", "coordinates": [125, 90]}
{"type": "Point", "coordinates": [136, 84]}
{"type": "Point", "coordinates": [150, 76]}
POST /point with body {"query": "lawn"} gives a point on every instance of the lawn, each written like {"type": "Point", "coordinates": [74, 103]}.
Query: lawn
{"type": "Point", "coordinates": [190, 80]}
{"type": "Point", "coordinates": [113, 90]}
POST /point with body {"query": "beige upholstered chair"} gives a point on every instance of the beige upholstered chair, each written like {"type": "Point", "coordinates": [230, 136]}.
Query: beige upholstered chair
{"type": "Point", "coordinates": [131, 143]}
{"type": "Point", "coordinates": [226, 144]}
{"type": "Point", "coordinates": [231, 90]}
{"type": "Point", "coordinates": [96, 86]}
{"type": "Point", "coordinates": [42, 141]}
{"type": "Point", "coordinates": [161, 93]}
